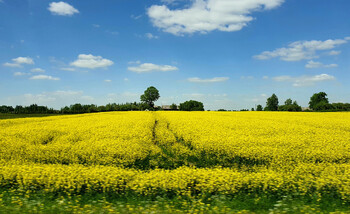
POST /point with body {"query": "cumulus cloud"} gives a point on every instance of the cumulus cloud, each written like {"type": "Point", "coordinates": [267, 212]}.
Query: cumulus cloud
{"type": "Point", "coordinates": [313, 64]}
{"type": "Point", "coordinates": [43, 77]}
{"type": "Point", "coordinates": [304, 80]}
{"type": "Point", "coordinates": [23, 60]}
{"type": "Point", "coordinates": [91, 61]}
{"type": "Point", "coordinates": [301, 50]}
{"type": "Point", "coordinates": [150, 67]}
{"type": "Point", "coordinates": [37, 70]}
{"type": "Point", "coordinates": [212, 80]}
{"type": "Point", "coordinates": [207, 15]}
{"type": "Point", "coordinates": [17, 62]}
{"type": "Point", "coordinates": [62, 8]}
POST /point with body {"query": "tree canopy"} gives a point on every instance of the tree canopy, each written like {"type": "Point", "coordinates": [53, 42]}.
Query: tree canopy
{"type": "Point", "coordinates": [150, 96]}
{"type": "Point", "coordinates": [318, 98]}
{"type": "Point", "coordinates": [272, 103]}
{"type": "Point", "coordinates": [191, 105]}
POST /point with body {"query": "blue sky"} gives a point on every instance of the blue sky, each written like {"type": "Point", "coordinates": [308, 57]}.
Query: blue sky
{"type": "Point", "coordinates": [230, 54]}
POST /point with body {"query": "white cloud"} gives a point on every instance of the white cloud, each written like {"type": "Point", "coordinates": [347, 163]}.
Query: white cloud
{"type": "Point", "coordinates": [207, 15]}
{"type": "Point", "coordinates": [39, 70]}
{"type": "Point", "coordinates": [151, 36]}
{"type": "Point", "coordinates": [212, 80]}
{"type": "Point", "coordinates": [62, 8]}
{"type": "Point", "coordinates": [334, 53]}
{"type": "Point", "coordinates": [17, 62]}
{"type": "Point", "coordinates": [19, 74]}
{"type": "Point", "coordinates": [13, 65]}
{"type": "Point", "coordinates": [108, 80]}
{"type": "Point", "coordinates": [150, 67]}
{"type": "Point", "coordinates": [44, 77]}
{"type": "Point", "coordinates": [91, 62]}
{"type": "Point", "coordinates": [301, 50]}
{"type": "Point", "coordinates": [67, 69]}
{"type": "Point", "coordinates": [304, 80]}
{"type": "Point", "coordinates": [23, 60]}
{"type": "Point", "coordinates": [126, 79]}
{"type": "Point", "coordinates": [313, 64]}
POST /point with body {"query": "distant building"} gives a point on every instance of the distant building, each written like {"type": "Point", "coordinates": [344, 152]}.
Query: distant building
{"type": "Point", "coordinates": [305, 109]}
{"type": "Point", "coordinates": [167, 107]}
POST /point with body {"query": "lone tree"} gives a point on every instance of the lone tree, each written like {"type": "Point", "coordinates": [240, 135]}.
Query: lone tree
{"type": "Point", "coordinates": [272, 103]}
{"type": "Point", "coordinates": [150, 96]}
{"type": "Point", "coordinates": [318, 99]}
{"type": "Point", "coordinates": [191, 105]}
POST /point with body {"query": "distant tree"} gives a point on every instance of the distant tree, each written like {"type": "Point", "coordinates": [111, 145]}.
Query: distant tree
{"type": "Point", "coordinates": [191, 105]}
{"type": "Point", "coordinates": [288, 102]}
{"type": "Point", "coordinates": [272, 103]}
{"type": "Point", "coordinates": [259, 108]}
{"type": "Point", "coordinates": [173, 106]}
{"type": "Point", "coordinates": [150, 96]}
{"type": "Point", "coordinates": [222, 109]}
{"type": "Point", "coordinates": [317, 98]}
{"type": "Point", "coordinates": [289, 105]}
{"type": "Point", "coordinates": [252, 109]}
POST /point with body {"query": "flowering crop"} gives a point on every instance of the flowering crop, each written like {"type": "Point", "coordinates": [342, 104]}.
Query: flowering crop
{"type": "Point", "coordinates": [179, 153]}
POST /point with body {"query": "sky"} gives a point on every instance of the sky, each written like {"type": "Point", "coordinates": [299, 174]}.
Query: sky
{"type": "Point", "coordinates": [229, 54]}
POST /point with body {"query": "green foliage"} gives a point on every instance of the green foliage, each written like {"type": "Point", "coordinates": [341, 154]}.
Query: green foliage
{"type": "Point", "coordinates": [341, 106]}
{"type": "Point", "coordinates": [150, 96]}
{"type": "Point", "coordinates": [173, 106]}
{"type": "Point", "coordinates": [288, 102]}
{"type": "Point", "coordinates": [289, 105]}
{"type": "Point", "coordinates": [323, 106]}
{"type": "Point", "coordinates": [317, 98]}
{"type": "Point", "coordinates": [32, 109]}
{"type": "Point", "coordinates": [222, 109]}
{"type": "Point", "coordinates": [259, 108]}
{"type": "Point", "coordinates": [191, 105]}
{"type": "Point", "coordinates": [272, 103]}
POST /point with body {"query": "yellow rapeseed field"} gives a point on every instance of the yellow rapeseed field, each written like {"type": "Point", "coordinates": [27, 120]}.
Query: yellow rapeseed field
{"type": "Point", "coordinates": [179, 153]}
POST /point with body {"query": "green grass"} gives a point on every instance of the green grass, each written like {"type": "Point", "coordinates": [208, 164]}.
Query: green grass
{"type": "Point", "coordinates": [40, 202]}
{"type": "Point", "coordinates": [14, 116]}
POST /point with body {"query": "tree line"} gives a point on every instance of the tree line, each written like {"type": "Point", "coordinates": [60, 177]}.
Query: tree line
{"type": "Point", "coordinates": [318, 102]}
{"type": "Point", "coordinates": [150, 95]}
